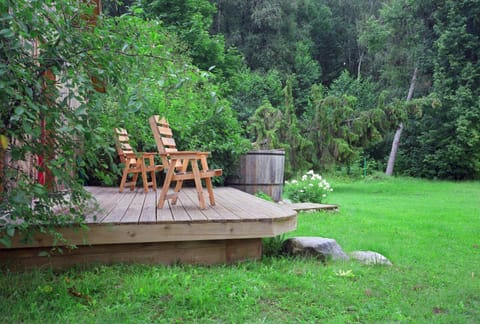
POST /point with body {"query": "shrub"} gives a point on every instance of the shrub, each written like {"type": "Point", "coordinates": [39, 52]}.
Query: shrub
{"type": "Point", "coordinates": [311, 187]}
{"type": "Point", "coordinates": [272, 246]}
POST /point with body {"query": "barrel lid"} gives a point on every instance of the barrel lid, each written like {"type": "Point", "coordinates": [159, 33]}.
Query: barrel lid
{"type": "Point", "coordinates": [266, 152]}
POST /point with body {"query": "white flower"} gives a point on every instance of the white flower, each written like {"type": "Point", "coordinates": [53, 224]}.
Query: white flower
{"type": "Point", "coordinates": [310, 184]}
{"type": "Point", "coordinates": [317, 177]}
{"type": "Point", "coordinates": [324, 195]}
{"type": "Point", "coordinates": [294, 181]}
{"type": "Point", "coordinates": [301, 190]}
{"type": "Point", "coordinates": [304, 177]}
{"type": "Point", "coordinates": [311, 172]}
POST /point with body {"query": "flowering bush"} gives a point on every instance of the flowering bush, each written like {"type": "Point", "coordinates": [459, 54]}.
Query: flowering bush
{"type": "Point", "coordinates": [310, 188]}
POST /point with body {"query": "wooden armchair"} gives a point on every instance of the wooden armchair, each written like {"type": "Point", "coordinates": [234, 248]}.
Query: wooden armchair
{"type": "Point", "coordinates": [135, 163]}
{"type": "Point", "coordinates": [181, 165]}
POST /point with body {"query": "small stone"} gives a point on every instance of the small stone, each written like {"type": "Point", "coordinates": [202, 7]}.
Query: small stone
{"type": "Point", "coordinates": [370, 257]}
{"type": "Point", "coordinates": [319, 247]}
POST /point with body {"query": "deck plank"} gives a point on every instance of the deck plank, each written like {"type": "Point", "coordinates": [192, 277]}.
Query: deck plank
{"type": "Point", "coordinates": [107, 199]}
{"type": "Point", "coordinates": [165, 214]}
{"type": "Point", "coordinates": [96, 190]}
{"type": "Point", "coordinates": [190, 197]}
{"type": "Point", "coordinates": [132, 214]}
{"type": "Point", "coordinates": [244, 208]}
{"type": "Point", "coordinates": [222, 206]}
{"type": "Point", "coordinates": [120, 207]}
{"type": "Point", "coordinates": [178, 210]}
{"type": "Point", "coordinates": [217, 212]}
{"type": "Point", "coordinates": [231, 206]}
{"type": "Point", "coordinates": [149, 211]}
{"type": "Point", "coordinates": [253, 206]}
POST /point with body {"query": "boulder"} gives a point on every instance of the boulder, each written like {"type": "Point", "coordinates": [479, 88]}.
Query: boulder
{"type": "Point", "coordinates": [322, 248]}
{"type": "Point", "coordinates": [370, 257]}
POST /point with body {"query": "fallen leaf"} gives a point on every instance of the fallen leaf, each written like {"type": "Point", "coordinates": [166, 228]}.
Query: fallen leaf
{"type": "Point", "coordinates": [439, 310]}
{"type": "Point", "coordinates": [75, 293]}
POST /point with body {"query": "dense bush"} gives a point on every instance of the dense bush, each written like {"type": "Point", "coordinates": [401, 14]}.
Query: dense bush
{"type": "Point", "coordinates": [158, 79]}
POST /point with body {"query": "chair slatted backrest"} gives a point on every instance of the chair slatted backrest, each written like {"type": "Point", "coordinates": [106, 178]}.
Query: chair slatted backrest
{"type": "Point", "coordinates": [163, 137]}
{"type": "Point", "coordinates": [123, 144]}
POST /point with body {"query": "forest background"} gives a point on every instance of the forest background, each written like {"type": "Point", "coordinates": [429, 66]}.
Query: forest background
{"type": "Point", "coordinates": [328, 80]}
{"type": "Point", "coordinates": [333, 83]}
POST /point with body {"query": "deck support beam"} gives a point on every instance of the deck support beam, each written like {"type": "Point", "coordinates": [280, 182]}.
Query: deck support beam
{"type": "Point", "coordinates": [167, 253]}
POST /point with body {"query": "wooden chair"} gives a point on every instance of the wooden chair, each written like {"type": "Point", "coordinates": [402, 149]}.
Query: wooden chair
{"type": "Point", "coordinates": [181, 165]}
{"type": "Point", "coordinates": [135, 163]}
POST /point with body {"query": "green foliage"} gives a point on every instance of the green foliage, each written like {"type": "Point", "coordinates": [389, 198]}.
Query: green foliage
{"type": "Point", "coordinates": [264, 126]}
{"type": "Point", "coordinates": [447, 140]}
{"type": "Point", "coordinates": [272, 246]}
{"type": "Point", "coordinates": [157, 78]}
{"type": "Point", "coordinates": [311, 187]}
{"type": "Point", "coordinates": [37, 117]}
{"type": "Point", "coordinates": [273, 129]}
{"type": "Point", "coordinates": [191, 21]}
{"type": "Point", "coordinates": [341, 127]}
{"type": "Point", "coordinates": [251, 89]}
{"type": "Point", "coordinates": [365, 90]}
{"type": "Point", "coordinates": [264, 196]}
{"type": "Point", "coordinates": [295, 144]}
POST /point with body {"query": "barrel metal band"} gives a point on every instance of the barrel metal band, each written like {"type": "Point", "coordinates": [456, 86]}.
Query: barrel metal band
{"type": "Point", "coordinates": [258, 153]}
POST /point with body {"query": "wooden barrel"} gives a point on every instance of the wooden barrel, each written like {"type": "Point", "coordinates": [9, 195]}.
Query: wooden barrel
{"type": "Point", "coordinates": [261, 171]}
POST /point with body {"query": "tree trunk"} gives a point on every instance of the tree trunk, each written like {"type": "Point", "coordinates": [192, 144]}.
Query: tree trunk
{"type": "Point", "coordinates": [398, 133]}
{"type": "Point", "coordinates": [359, 66]}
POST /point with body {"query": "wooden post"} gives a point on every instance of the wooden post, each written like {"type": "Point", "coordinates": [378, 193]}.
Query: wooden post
{"type": "Point", "coordinates": [45, 176]}
{"type": "Point", "coordinates": [2, 171]}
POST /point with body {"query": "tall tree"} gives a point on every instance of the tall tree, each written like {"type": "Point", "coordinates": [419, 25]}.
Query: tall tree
{"type": "Point", "coordinates": [451, 131]}
{"type": "Point", "coordinates": [407, 38]}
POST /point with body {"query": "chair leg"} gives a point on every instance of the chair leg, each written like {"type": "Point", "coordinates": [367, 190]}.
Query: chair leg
{"type": "Point", "coordinates": [134, 181]}
{"type": "Point", "coordinates": [124, 179]}
{"type": "Point", "coordinates": [179, 184]}
{"type": "Point", "coordinates": [145, 181]}
{"type": "Point", "coordinates": [166, 186]}
{"type": "Point", "coordinates": [154, 180]}
{"type": "Point", "coordinates": [178, 187]}
{"type": "Point", "coordinates": [208, 183]}
{"type": "Point", "coordinates": [198, 184]}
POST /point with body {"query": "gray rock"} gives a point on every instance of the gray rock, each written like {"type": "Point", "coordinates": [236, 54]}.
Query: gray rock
{"type": "Point", "coordinates": [319, 247]}
{"type": "Point", "coordinates": [370, 257]}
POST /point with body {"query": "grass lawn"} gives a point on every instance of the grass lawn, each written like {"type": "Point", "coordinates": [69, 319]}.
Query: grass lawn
{"type": "Point", "coordinates": [429, 230]}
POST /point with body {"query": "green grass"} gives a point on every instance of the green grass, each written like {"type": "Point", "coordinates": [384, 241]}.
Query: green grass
{"type": "Point", "coordinates": [429, 230]}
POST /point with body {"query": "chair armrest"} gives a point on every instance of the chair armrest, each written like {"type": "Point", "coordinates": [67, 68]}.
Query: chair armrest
{"type": "Point", "coordinates": [147, 154]}
{"type": "Point", "coordinates": [186, 154]}
{"type": "Point", "coordinates": [140, 154]}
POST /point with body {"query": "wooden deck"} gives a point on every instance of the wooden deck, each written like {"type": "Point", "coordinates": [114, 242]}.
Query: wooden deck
{"type": "Point", "coordinates": [129, 228]}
